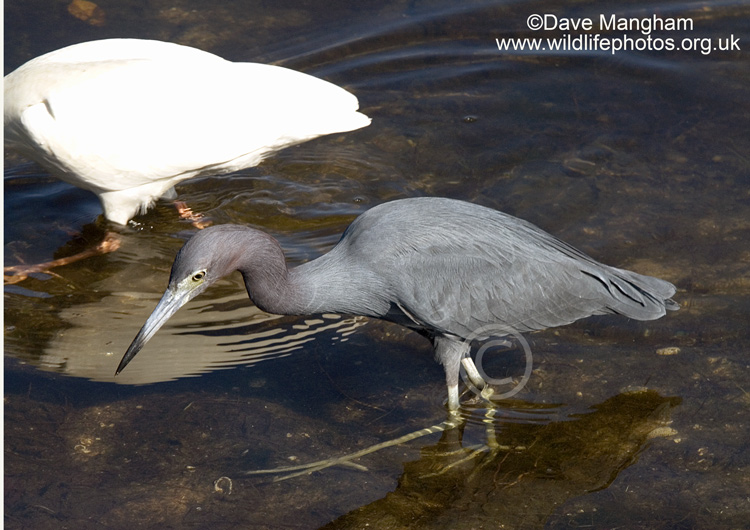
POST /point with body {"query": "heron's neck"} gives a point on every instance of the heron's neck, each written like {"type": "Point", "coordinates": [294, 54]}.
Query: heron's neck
{"type": "Point", "coordinates": [265, 274]}
{"type": "Point", "coordinates": [327, 284]}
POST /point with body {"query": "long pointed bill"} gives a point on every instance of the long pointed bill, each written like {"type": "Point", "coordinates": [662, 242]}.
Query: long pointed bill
{"type": "Point", "coordinates": [168, 305]}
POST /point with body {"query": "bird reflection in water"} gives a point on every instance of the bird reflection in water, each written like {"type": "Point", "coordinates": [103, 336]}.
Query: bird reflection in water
{"type": "Point", "coordinates": [520, 478]}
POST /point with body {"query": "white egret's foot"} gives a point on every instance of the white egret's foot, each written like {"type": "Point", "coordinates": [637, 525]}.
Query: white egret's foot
{"type": "Point", "coordinates": [198, 219]}
{"type": "Point", "coordinates": [18, 273]}
{"type": "Point", "coordinates": [306, 469]}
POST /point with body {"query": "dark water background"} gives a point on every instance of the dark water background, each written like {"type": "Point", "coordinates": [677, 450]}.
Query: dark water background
{"type": "Point", "coordinates": [641, 159]}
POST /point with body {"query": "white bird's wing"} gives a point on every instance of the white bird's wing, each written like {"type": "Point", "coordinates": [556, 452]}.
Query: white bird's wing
{"type": "Point", "coordinates": [117, 114]}
{"type": "Point", "coordinates": [151, 121]}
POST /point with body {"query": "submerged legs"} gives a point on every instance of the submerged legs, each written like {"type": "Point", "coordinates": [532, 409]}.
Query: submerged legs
{"type": "Point", "coordinates": [453, 354]}
{"type": "Point", "coordinates": [18, 273]}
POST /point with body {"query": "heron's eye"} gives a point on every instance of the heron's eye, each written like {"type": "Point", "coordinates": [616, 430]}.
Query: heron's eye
{"type": "Point", "coordinates": [198, 276]}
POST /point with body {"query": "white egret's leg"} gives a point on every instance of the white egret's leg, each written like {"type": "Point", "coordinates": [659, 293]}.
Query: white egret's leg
{"type": "Point", "coordinates": [18, 273]}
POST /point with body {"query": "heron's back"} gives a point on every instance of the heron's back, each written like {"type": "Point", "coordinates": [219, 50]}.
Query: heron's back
{"type": "Point", "coordinates": [455, 267]}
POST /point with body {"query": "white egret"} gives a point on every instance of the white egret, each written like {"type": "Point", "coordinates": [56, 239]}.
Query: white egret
{"type": "Point", "coordinates": [128, 119]}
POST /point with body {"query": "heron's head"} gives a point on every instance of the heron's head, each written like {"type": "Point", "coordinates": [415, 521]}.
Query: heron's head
{"type": "Point", "coordinates": [208, 256]}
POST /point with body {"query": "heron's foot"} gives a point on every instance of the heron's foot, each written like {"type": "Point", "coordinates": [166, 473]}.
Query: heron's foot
{"type": "Point", "coordinates": [487, 393]}
{"type": "Point", "coordinates": [474, 397]}
{"type": "Point", "coordinates": [18, 273]}
{"type": "Point", "coordinates": [198, 219]}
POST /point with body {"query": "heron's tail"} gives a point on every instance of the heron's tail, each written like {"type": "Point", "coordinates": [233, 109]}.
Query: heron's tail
{"type": "Point", "coordinates": [637, 296]}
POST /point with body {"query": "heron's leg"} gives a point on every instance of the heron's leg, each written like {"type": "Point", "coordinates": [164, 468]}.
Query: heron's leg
{"type": "Point", "coordinates": [453, 402]}
{"type": "Point", "coordinates": [18, 273]}
{"type": "Point", "coordinates": [476, 378]}
{"type": "Point", "coordinates": [486, 392]}
{"type": "Point", "coordinates": [471, 371]}
{"type": "Point", "coordinates": [449, 352]}
{"type": "Point", "coordinates": [489, 426]}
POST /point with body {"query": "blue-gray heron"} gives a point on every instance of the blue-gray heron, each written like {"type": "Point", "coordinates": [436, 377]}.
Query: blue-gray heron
{"type": "Point", "coordinates": [445, 268]}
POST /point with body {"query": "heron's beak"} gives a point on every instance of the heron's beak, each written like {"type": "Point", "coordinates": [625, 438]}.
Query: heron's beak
{"type": "Point", "coordinates": [167, 306]}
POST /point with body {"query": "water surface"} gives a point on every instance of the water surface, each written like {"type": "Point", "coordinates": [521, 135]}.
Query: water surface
{"type": "Point", "coordinates": [641, 159]}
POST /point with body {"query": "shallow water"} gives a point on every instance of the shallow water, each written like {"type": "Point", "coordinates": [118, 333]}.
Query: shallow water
{"type": "Point", "coordinates": [641, 159]}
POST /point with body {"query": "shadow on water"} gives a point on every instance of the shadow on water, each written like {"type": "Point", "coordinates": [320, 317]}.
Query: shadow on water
{"type": "Point", "coordinates": [172, 460]}
{"type": "Point", "coordinates": [638, 158]}
{"type": "Point", "coordinates": [522, 473]}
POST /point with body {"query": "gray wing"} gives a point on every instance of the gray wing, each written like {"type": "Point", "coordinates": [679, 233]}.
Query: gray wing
{"type": "Point", "coordinates": [517, 296]}
{"type": "Point", "coordinates": [467, 268]}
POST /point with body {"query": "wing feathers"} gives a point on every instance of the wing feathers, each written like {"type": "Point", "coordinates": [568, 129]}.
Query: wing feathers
{"type": "Point", "coordinates": [461, 268]}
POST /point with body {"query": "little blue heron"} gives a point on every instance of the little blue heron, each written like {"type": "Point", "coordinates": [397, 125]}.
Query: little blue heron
{"type": "Point", "coordinates": [443, 267]}
{"type": "Point", "coordinates": [128, 119]}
